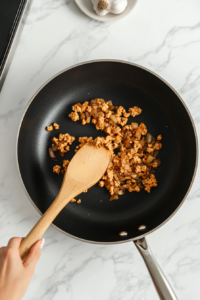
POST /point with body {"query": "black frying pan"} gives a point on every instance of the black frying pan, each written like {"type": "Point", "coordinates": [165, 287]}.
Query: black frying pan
{"type": "Point", "coordinates": [96, 219]}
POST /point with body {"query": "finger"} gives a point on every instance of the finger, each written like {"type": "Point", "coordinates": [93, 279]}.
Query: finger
{"type": "Point", "coordinates": [14, 242]}
{"type": "Point", "coordinates": [2, 249]}
{"type": "Point", "coordinates": [34, 253]}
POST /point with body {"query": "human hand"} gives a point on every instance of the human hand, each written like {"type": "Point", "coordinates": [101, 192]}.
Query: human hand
{"type": "Point", "coordinates": [16, 275]}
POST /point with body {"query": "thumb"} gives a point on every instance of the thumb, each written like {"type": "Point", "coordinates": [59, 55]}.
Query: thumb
{"type": "Point", "coordinates": [34, 253]}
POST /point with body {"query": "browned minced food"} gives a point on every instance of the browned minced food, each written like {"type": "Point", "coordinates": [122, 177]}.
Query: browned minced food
{"type": "Point", "coordinates": [149, 182]}
{"type": "Point", "coordinates": [56, 169]}
{"type": "Point", "coordinates": [159, 137]}
{"type": "Point", "coordinates": [73, 200]}
{"type": "Point", "coordinates": [104, 115]}
{"type": "Point", "coordinates": [65, 164]}
{"type": "Point", "coordinates": [61, 144]}
{"type": "Point", "coordinates": [49, 128]}
{"type": "Point", "coordinates": [135, 111]}
{"type": "Point", "coordinates": [55, 125]}
{"type": "Point", "coordinates": [98, 142]}
{"type": "Point", "coordinates": [133, 166]}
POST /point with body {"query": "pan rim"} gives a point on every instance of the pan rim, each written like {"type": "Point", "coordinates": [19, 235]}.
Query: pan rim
{"type": "Point", "coordinates": [181, 100]}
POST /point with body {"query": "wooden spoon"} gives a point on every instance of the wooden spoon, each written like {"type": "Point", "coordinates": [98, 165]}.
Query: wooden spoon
{"type": "Point", "coordinates": [85, 169]}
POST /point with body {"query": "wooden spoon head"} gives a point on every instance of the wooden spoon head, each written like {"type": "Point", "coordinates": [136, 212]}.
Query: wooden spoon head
{"type": "Point", "coordinates": [84, 170]}
{"type": "Point", "coordinates": [89, 164]}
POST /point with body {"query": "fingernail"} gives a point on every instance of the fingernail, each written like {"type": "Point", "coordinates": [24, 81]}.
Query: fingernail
{"type": "Point", "coordinates": [42, 243]}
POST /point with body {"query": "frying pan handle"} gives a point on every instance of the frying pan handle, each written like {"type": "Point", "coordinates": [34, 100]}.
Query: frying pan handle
{"type": "Point", "coordinates": [162, 286]}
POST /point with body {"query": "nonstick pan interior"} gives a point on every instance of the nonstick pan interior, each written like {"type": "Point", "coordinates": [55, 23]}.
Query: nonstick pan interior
{"type": "Point", "coordinates": [96, 219]}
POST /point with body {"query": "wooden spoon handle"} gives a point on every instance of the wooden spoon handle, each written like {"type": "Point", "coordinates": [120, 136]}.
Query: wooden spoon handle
{"type": "Point", "coordinates": [41, 226]}
{"type": "Point", "coordinates": [84, 170]}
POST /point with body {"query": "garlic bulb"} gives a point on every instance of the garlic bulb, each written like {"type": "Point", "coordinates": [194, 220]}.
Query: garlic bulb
{"type": "Point", "coordinates": [103, 7]}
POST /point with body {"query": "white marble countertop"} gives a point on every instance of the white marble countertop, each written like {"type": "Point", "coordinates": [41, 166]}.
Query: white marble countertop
{"type": "Point", "coordinates": [163, 36]}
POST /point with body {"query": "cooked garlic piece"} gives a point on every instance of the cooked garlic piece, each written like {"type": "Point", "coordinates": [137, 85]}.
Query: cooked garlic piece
{"type": "Point", "coordinates": [103, 7]}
